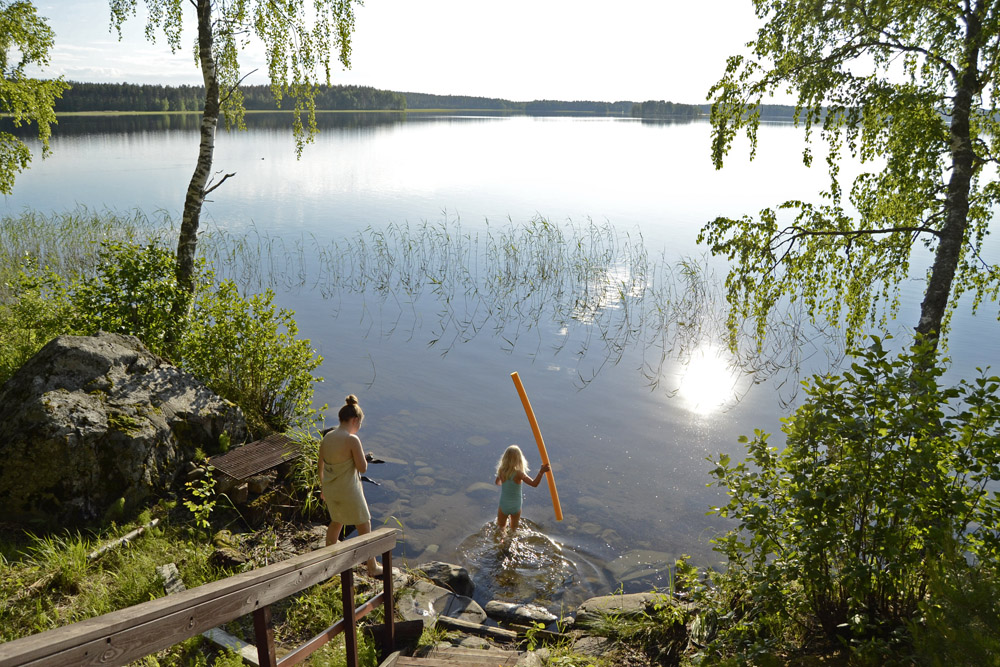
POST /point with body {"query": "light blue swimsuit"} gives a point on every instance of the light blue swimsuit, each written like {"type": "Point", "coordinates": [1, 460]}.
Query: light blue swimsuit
{"type": "Point", "coordinates": [510, 497]}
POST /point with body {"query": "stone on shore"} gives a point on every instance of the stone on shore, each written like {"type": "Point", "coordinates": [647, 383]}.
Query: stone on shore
{"type": "Point", "coordinates": [90, 421]}
{"type": "Point", "coordinates": [526, 614]}
{"type": "Point", "coordinates": [626, 605]}
{"type": "Point", "coordinates": [425, 601]}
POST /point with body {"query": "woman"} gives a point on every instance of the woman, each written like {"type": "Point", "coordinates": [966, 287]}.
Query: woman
{"type": "Point", "coordinates": [341, 463]}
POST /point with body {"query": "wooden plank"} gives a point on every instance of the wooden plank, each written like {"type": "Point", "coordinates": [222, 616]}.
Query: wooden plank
{"type": "Point", "coordinates": [220, 637]}
{"type": "Point", "coordinates": [172, 583]}
{"type": "Point", "coordinates": [129, 634]}
{"type": "Point", "coordinates": [462, 654]}
{"type": "Point", "coordinates": [305, 650]}
{"type": "Point", "coordinates": [499, 634]}
{"type": "Point", "coordinates": [264, 635]}
{"type": "Point", "coordinates": [388, 613]}
{"type": "Point", "coordinates": [390, 660]}
{"type": "Point", "coordinates": [350, 623]}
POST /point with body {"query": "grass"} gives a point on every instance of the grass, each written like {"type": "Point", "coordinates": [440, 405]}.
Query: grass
{"type": "Point", "coordinates": [47, 581]}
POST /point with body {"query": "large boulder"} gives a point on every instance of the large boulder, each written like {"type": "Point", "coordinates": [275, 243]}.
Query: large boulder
{"type": "Point", "coordinates": [92, 419]}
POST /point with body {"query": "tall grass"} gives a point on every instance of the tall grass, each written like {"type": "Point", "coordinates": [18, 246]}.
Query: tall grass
{"type": "Point", "coordinates": [67, 242]}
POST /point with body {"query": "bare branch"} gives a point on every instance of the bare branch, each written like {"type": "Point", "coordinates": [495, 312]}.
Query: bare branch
{"type": "Point", "coordinates": [229, 93]}
{"type": "Point", "coordinates": [213, 187]}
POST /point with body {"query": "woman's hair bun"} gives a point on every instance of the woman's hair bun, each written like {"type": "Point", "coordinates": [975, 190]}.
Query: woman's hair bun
{"type": "Point", "coordinates": [351, 400]}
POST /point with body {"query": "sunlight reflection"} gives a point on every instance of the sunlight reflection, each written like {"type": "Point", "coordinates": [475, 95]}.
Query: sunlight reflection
{"type": "Point", "coordinates": [708, 382]}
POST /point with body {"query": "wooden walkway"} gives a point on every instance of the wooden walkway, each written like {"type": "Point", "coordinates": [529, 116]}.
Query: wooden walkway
{"type": "Point", "coordinates": [455, 657]}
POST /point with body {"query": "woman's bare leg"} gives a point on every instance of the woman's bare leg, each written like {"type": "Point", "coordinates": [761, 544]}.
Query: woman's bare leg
{"type": "Point", "coordinates": [333, 532]}
{"type": "Point", "coordinates": [374, 569]}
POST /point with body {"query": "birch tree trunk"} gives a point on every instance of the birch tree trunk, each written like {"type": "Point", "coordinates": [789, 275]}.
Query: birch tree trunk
{"type": "Point", "coordinates": [934, 307]}
{"type": "Point", "coordinates": [187, 244]}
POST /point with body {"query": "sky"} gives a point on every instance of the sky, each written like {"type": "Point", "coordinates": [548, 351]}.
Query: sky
{"type": "Point", "coordinates": [518, 49]}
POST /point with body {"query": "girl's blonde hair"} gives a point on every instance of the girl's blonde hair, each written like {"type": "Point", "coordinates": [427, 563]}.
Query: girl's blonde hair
{"type": "Point", "coordinates": [511, 463]}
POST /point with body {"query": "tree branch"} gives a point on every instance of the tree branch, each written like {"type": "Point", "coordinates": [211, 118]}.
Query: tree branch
{"type": "Point", "coordinates": [232, 89]}
{"type": "Point", "coordinates": [802, 233]}
{"type": "Point", "coordinates": [213, 187]}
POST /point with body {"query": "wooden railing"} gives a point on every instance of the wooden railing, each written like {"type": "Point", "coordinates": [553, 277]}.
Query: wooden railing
{"type": "Point", "coordinates": [129, 634]}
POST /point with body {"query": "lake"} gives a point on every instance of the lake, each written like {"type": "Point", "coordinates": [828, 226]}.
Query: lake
{"type": "Point", "coordinates": [427, 257]}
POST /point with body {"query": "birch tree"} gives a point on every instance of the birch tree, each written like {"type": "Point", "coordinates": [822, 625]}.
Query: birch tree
{"type": "Point", "coordinates": [908, 88]}
{"type": "Point", "coordinates": [25, 41]}
{"type": "Point", "coordinates": [300, 38]}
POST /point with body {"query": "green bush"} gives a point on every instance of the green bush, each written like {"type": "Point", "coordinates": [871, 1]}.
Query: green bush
{"type": "Point", "coordinates": [883, 471]}
{"type": "Point", "coordinates": [247, 351]}
{"type": "Point", "coordinates": [33, 310]}
{"type": "Point", "coordinates": [134, 292]}
{"type": "Point", "coordinates": [960, 621]}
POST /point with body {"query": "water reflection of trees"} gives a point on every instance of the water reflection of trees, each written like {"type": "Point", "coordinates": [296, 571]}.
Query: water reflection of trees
{"type": "Point", "coordinates": [588, 291]}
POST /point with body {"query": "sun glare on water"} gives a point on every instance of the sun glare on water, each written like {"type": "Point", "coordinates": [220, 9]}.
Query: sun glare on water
{"type": "Point", "coordinates": [707, 382]}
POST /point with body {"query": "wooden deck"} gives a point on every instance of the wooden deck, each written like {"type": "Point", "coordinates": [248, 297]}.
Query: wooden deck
{"type": "Point", "coordinates": [455, 657]}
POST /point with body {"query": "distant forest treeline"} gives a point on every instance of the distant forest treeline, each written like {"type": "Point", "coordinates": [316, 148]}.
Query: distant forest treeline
{"type": "Point", "coordinates": [158, 98]}
{"type": "Point", "coordinates": [147, 97]}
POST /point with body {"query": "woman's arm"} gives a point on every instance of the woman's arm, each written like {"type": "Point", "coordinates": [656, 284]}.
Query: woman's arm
{"type": "Point", "coordinates": [320, 472]}
{"type": "Point", "coordinates": [360, 462]}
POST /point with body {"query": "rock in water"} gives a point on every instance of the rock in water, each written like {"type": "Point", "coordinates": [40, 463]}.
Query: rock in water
{"type": "Point", "coordinates": [91, 419]}
{"type": "Point", "coordinates": [453, 577]}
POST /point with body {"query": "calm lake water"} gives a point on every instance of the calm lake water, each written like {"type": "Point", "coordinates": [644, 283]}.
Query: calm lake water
{"type": "Point", "coordinates": [411, 249]}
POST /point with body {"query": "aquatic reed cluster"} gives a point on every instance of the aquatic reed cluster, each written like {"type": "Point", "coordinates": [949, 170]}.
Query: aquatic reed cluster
{"type": "Point", "coordinates": [590, 291]}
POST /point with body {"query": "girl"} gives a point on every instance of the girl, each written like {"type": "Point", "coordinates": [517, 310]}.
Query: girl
{"type": "Point", "coordinates": [341, 463]}
{"type": "Point", "coordinates": [511, 471]}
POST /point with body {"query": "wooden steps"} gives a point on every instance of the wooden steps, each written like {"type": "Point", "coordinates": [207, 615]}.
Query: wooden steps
{"type": "Point", "coordinates": [456, 657]}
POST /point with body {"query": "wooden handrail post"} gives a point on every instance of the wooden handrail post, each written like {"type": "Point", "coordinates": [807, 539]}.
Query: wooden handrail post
{"type": "Point", "coordinates": [350, 624]}
{"type": "Point", "coordinates": [264, 636]}
{"type": "Point", "coordinates": [389, 622]}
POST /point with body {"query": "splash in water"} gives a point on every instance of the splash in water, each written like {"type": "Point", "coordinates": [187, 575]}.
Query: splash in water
{"type": "Point", "coordinates": [528, 566]}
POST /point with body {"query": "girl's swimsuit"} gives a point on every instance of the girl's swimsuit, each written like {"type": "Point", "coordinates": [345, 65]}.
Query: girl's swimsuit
{"type": "Point", "coordinates": [510, 497]}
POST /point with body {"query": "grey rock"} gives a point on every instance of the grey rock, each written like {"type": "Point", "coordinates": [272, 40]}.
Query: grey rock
{"type": "Point", "coordinates": [537, 658]}
{"type": "Point", "coordinates": [474, 642]}
{"type": "Point", "coordinates": [452, 577]}
{"type": "Point", "coordinates": [425, 601]}
{"type": "Point", "coordinates": [631, 604]}
{"type": "Point", "coordinates": [91, 419]}
{"type": "Point", "coordinates": [593, 646]}
{"type": "Point", "coordinates": [525, 614]}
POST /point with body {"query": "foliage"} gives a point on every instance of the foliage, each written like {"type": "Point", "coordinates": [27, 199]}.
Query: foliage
{"type": "Point", "coordinates": [960, 624]}
{"type": "Point", "coordinates": [906, 88]}
{"type": "Point", "coordinates": [33, 310]}
{"type": "Point", "coordinates": [883, 471]}
{"type": "Point", "coordinates": [156, 97]}
{"type": "Point", "coordinates": [25, 41]}
{"type": "Point", "coordinates": [132, 293]}
{"type": "Point", "coordinates": [299, 46]}
{"type": "Point", "coordinates": [202, 500]}
{"type": "Point", "coordinates": [303, 478]}
{"type": "Point", "coordinates": [247, 351]}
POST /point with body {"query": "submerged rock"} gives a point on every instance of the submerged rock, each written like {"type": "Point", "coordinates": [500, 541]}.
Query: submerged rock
{"type": "Point", "coordinates": [91, 419]}
{"type": "Point", "coordinates": [452, 577]}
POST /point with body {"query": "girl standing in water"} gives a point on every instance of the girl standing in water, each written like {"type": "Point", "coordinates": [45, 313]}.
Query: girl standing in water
{"type": "Point", "coordinates": [512, 470]}
{"type": "Point", "coordinates": [341, 463]}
